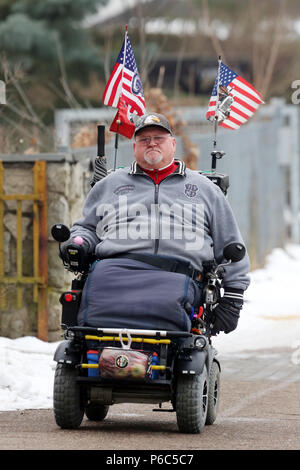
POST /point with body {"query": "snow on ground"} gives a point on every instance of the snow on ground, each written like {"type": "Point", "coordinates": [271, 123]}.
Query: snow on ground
{"type": "Point", "coordinates": [271, 314]}
{"type": "Point", "coordinates": [270, 319]}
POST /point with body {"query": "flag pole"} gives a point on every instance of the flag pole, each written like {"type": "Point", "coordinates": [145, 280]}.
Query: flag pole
{"type": "Point", "coordinates": [125, 47]}
{"type": "Point", "coordinates": [214, 160]}
{"type": "Point", "coordinates": [118, 121]}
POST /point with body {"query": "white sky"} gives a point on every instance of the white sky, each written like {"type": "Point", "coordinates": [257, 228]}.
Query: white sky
{"type": "Point", "coordinates": [112, 8]}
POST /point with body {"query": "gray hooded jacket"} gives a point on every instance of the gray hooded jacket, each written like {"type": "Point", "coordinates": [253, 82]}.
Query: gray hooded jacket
{"type": "Point", "coordinates": [185, 215]}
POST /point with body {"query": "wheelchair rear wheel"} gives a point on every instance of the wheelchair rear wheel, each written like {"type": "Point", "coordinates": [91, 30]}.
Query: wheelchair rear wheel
{"type": "Point", "coordinates": [192, 402]}
{"type": "Point", "coordinates": [213, 393]}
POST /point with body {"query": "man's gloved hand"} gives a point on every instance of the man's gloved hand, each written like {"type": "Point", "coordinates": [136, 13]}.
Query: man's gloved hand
{"type": "Point", "coordinates": [74, 253]}
{"type": "Point", "coordinates": [226, 315]}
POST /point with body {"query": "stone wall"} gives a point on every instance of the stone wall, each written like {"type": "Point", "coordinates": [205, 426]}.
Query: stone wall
{"type": "Point", "coordinates": [66, 188]}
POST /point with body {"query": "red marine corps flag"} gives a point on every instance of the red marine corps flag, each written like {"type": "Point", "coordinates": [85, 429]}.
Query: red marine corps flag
{"type": "Point", "coordinates": [233, 100]}
{"type": "Point", "coordinates": [122, 123]}
{"type": "Point", "coordinates": [124, 91]}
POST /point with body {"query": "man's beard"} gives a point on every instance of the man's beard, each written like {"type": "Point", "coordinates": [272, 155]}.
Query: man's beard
{"type": "Point", "coordinates": [153, 160]}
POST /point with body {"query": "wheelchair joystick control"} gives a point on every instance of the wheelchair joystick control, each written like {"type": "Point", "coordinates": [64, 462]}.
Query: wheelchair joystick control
{"type": "Point", "coordinates": [78, 240]}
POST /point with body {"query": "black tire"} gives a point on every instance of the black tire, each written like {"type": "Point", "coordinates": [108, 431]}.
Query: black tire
{"type": "Point", "coordinates": [213, 393]}
{"type": "Point", "coordinates": [96, 412]}
{"type": "Point", "coordinates": [191, 402]}
{"type": "Point", "coordinates": [68, 403]}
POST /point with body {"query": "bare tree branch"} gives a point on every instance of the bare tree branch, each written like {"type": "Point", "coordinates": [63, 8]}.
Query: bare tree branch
{"type": "Point", "coordinates": [142, 34]}
{"type": "Point", "coordinates": [256, 68]}
{"type": "Point", "coordinates": [212, 33]}
{"type": "Point", "coordinates": [59, 93]}
{"type": "Point", "coordinates": [17, 72]}
{"type": "Point", "coordinates": [24, 109]}
{"type": "Point", "coordinates": [27, 103]}
{"type": "Point", "coordinates": [23, 131]}
{"type": "Point", "coordinates": [21, 113]}
{"type": "Point", "coordinates": [108, 43]}
{"type": "Point", "coordinates": [64, 80]}
{"type": "Point", "coordinates": [274, 51]}
{"type": "Point", "coordinates": [147, 62]}
{"type": "Point", "coordinates": [180, 57]}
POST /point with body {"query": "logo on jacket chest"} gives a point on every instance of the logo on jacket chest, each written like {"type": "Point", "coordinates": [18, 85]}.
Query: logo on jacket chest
{"type": "Point", "coordinates": [190, 189]}
{"type": "Point", "coordinates": [124, 189]}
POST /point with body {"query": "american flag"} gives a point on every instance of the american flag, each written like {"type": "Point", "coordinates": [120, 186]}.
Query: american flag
{"type": "Point", "coordinates": [125, 80]}
{"type": "Point", "coordinates": [244, 99]}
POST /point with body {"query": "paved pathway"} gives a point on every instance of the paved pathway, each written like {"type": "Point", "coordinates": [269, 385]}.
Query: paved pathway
{"type": "Point", "coordinates": [259, 409]}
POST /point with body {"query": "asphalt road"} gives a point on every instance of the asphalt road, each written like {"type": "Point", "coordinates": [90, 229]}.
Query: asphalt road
{"type": "Point", "coordinates": [259, 409]}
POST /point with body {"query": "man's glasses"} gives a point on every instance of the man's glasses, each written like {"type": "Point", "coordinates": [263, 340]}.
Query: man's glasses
{"type": "Point", "coordinates": [158, 139]}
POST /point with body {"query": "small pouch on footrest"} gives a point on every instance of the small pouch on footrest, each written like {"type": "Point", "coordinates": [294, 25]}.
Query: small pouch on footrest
{"type": "Point", "coordinates": [125, 363]}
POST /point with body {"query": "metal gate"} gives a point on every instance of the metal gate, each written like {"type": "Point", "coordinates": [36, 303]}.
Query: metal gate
{"type": "Point", "coordinates": [39, 279]}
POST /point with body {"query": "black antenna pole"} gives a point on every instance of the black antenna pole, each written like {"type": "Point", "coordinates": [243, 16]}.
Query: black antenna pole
{"type": "Point", "coordinates": [100, 169]}
{"type": "Point", "coordinates": [116, 144]}
{"type": "Point", "coordinates": [100, 141]}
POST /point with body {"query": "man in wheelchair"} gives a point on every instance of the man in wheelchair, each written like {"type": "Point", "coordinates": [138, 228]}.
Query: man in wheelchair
{"type": "Point", "coordinates": [151, 228]}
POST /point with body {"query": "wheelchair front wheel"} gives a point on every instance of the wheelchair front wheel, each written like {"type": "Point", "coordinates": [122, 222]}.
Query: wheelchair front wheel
{"type": "Point", "coordinates": [96, 412]}
{"type": "Point", "coordinates": [68, 402]}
